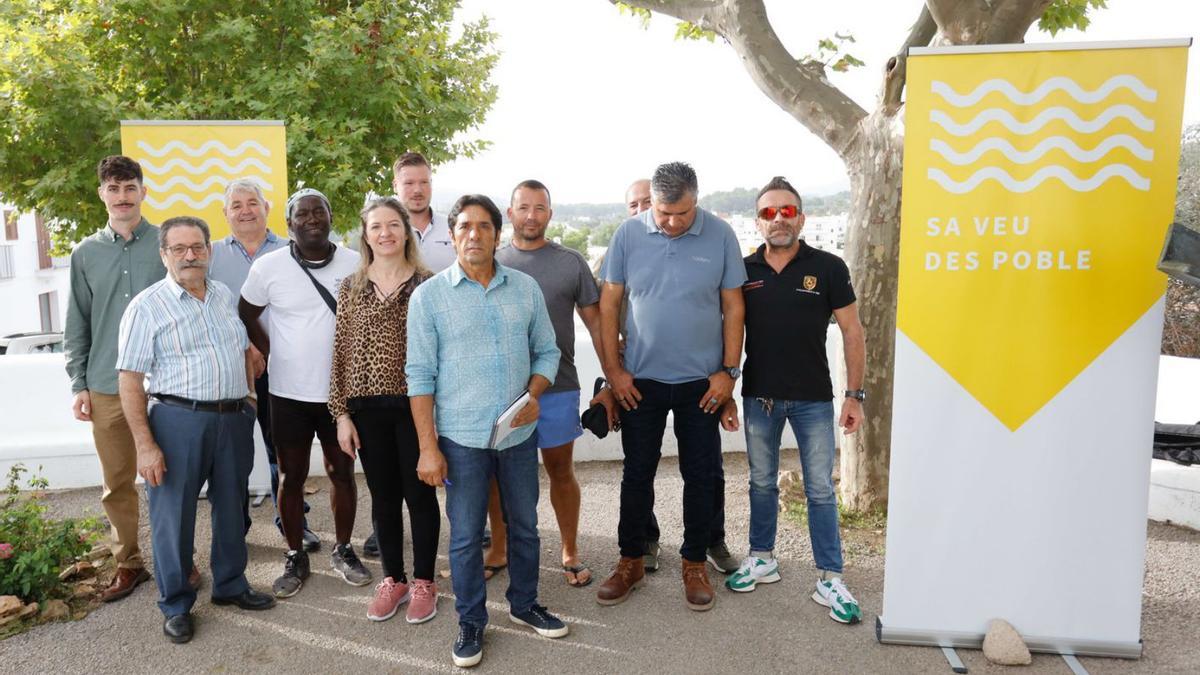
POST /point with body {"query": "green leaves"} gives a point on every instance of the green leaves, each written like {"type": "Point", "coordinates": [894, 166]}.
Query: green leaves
{"type": "Point", "coordinates": [358, 83]}
{"type": "Point", "coordinates": [1065, 14]}
{"type": "Point", "coordinates": [831, 53]}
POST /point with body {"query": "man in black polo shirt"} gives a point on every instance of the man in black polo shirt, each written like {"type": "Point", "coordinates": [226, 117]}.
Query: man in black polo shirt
{"type": "Point", "coordinates": [791, 291]}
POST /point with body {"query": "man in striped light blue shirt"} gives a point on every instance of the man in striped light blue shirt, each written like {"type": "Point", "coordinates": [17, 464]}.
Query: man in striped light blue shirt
{"type": "Point", "coordinates": [479, 336]}
{"type": "Point", "coordinates": [182, 336]}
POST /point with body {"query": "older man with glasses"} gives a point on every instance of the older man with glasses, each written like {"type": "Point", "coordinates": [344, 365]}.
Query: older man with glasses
{"type": "Point", "coordinates": [196, 426]}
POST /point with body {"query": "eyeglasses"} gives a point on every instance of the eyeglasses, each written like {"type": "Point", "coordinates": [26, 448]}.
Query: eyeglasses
{"type": "Point", "coordinates": [769, 212]}
{"type": "Point", "coordinates": [179, 250]}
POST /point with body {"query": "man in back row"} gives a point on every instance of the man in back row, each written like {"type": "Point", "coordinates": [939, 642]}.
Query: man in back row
{"type": "Point", "coordinates": [108, 269]}
{"type": "Point", "coordinates": [567, 286]}
{"type": "Point", "coordinates": [249, 239]}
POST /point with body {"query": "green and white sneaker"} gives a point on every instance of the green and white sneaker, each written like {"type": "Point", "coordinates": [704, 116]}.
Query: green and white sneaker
{"type": "Point", "coordinates": [833, 594]}
{"type": "Point", "coordinates": [753, 571]}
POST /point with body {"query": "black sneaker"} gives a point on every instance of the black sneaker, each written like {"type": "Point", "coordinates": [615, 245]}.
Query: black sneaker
{"type": "Point", "coordinates": [371, 546]}
{"type": "Point", "coordinates": [295, 571]}
{"type": "Point", "coordinates": [541, 621]}
{"type": "Point", "coordinates": [468, 648]}
{"type": "Point", "coordinates": [311, 542]}
{"type": "Point", "coordinates": [721, 559]}
{"type": "Point", "coordinates": [346, 563]}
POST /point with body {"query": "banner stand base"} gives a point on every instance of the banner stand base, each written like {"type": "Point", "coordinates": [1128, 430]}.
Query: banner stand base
{"type": "Point", "coordinates": [956, 663]}
{"type": "Point", "coordinates": [1045, 645]}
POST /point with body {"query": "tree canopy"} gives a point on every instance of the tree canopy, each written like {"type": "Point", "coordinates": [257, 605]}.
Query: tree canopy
{"type": "Point", "coordinates": [357, 82]}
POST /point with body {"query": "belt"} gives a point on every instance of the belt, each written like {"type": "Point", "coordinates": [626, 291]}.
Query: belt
{"type": "Point", "coordinates": [227, 405]}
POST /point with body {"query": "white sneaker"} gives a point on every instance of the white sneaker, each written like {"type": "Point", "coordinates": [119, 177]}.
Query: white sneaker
{"type": "Point", "coordinates": [833, 594]}
{"type": "Point", "coordinates": [753, 571]}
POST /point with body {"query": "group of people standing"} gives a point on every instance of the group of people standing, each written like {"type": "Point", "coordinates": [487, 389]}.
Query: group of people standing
{"type": "Point", "coordinates": [445, 361]}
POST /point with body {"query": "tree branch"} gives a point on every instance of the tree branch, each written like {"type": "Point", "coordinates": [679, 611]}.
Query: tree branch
{"type": "Point", "coordinates": [799, 87]}
{"type": "Point", "coordinates": [896, 72]}
{"type": "Point", "coordinates": [1011, 19]}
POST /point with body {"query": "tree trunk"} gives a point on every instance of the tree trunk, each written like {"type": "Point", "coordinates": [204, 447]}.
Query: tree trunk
{"type": "Point", "coordinates": [872, 252]}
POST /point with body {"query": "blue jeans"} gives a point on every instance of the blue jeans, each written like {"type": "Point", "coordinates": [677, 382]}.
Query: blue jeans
{"type": "Point", "coordinates": [470, 472]}
{"type": "Point", "coordinates": [198, 447]}
{"type": "Point", "coordinates": [699, 463]}
{"type": "Point", "coordinates": [812, 423]}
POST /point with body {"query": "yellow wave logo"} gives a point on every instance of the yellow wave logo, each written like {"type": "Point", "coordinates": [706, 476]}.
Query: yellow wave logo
{"type": "Point", "coordinates": [1037, 189]}
{"type": "Point", "coordinates": [188, 165]}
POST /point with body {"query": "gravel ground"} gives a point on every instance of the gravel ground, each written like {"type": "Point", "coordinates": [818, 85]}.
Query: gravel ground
{"type": "Point", "coordinates": [775, 629]}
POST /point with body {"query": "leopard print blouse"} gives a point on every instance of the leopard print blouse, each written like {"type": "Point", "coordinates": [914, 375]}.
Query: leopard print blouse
{"type": "Point", "coordinates": [369, 344]}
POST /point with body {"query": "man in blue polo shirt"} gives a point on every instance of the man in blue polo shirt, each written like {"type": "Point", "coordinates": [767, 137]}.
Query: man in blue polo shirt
{"type": "Point", "coordinates": [246, 210]}
{"type": "Point", "coordinates": [683, 272]}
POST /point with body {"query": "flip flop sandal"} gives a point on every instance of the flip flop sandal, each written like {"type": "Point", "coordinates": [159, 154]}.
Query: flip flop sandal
{"type": "Point", "coordinates": [490, 571]}
{"type": "Point", "coordinates": [577, 570]}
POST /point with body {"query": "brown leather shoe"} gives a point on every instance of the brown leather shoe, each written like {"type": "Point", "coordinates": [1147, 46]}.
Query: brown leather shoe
{"type": "Point", "coordinates": [124, 582]}
{"type": "Point", "coordinates": [628, 575]}
{"type": "Point", "coordinates": [194, 578]}
{"type": "Point", "coordinates": [696, 589]}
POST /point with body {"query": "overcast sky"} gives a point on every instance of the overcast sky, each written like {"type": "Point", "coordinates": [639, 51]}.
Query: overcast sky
{"type": "Point", "coordinates": [588, 101]}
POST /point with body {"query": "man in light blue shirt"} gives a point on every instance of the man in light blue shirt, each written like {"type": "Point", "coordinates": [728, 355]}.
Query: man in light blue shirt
{"type": "Point", "coordinates": [182, 335]}
{"type": "Point", "coordinates": [479, 337]}
{"type": "Point", "coordinates": [246, 209]}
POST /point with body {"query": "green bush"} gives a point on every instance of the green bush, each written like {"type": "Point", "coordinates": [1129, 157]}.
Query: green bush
{"type": "Point", "coordinates": [33, 547]}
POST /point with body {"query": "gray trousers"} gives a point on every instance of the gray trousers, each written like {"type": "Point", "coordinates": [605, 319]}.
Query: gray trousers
{"type": "Point", "coordinates": [199, 446]}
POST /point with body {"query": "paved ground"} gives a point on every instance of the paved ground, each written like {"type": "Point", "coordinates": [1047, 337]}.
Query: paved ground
{"type": "Point", "coordinates": [775, 629]}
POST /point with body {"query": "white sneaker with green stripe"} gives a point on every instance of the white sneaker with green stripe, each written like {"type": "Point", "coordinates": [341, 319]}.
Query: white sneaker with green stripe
{"type": "Point", "coordinates": [753, 571]}
{"type": "Point", "coordinates": [833, 594]}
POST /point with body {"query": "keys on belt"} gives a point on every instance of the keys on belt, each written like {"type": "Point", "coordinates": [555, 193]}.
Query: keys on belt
{"type": "Point", "coordinates": [224, 406]}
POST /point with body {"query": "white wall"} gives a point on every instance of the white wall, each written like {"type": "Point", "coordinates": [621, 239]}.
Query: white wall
{"type": "Point", "coordinates": [19, 309]}
{"type": "Point", "coordinates": [36, 425]}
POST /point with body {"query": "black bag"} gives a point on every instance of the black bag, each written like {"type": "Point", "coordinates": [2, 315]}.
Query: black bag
{"type": "Point", "coordinates": [595, 418]}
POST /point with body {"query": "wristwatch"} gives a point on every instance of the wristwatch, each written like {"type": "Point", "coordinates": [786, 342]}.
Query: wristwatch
{"type": "Point", "coordinates": [732, 371]}
{"type": "Point", "coordinates": [858, 394]}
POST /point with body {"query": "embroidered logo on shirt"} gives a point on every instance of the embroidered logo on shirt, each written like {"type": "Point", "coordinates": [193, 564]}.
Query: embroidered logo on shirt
{"type": "Point", "coordinates": [810, 282]}
{"type": "Point", "coordinates": [701, 259]}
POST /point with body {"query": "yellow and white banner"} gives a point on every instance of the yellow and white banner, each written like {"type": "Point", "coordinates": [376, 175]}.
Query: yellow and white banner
{"type": "Point", "coordinates": [187, 164]}
{"type": "Point", "coordinates": [1039, 182]}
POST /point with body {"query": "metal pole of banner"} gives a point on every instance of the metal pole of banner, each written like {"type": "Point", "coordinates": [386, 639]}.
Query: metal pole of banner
{"type": "Point", "coordinates": [956, 663]}
{"type": "Point", "coordinates": [1074, 664]}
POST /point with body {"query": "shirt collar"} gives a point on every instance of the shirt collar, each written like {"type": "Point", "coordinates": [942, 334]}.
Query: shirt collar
{"type": "Point", "coordinates": [457, 275]}
{"type": "Point", "coordinates": [142, 228]}
{"type": "Point", "coordinates": [652, 227]}
{"type": "Point", "coordinates": [759, 255]}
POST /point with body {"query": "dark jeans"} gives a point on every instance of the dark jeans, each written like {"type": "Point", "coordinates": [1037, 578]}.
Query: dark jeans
{"type": "Point", "coordinates": [716, 532]}
{"type": "Point", "coordinates": [699, 456]}
{"type": "Point", "coordinates": [197, 447]}
{"type": "Point", "coordinates": [389, 455]}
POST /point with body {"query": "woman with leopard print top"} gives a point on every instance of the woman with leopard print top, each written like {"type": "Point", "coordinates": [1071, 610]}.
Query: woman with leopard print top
{"type": "Point", "coordinates": [368, 396]}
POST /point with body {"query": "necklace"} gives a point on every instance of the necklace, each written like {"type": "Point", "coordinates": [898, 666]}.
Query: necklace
{"type": "Point", "coordinates": [312, 264]}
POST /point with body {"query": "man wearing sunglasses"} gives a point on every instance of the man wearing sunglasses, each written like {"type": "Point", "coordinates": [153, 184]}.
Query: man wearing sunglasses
{"type": "Point", "coordinates": [791, 292]}
{"type": "Point", "coordinates": [683, 271]}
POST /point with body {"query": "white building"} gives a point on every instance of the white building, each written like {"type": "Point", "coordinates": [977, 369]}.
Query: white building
{"type": "Point", "coordinates": [33, 285]}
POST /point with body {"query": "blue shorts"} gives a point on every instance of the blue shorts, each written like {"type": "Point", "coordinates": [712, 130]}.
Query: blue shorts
{"type": "Point", "coordinates": [558, 421]}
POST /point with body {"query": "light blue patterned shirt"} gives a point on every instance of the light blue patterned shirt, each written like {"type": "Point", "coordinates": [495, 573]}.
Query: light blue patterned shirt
{"type": "Point", "coordinates": [474, 349]}
{"type": "Point", "coordinates": [187, 347]}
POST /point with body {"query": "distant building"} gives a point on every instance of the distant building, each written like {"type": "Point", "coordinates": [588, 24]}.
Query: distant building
{"type": "Point", "coordinates": [33, 284]}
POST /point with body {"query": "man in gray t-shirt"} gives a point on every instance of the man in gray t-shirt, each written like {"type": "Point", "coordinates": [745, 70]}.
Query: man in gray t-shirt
{"type": "Point", "coordinates": [568, 286]}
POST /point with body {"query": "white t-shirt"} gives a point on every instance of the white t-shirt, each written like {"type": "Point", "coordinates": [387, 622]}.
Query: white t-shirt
{"type": "Point", "coordinates": [299, 324]}
{"type": "Point", "coordinates": [437, 248]}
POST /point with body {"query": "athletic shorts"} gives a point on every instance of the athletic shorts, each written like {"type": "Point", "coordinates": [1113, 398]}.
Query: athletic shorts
{"type": "Point", "coordinates": [294, 423]}
{"type": "Point", "coordinates": [558, 421]}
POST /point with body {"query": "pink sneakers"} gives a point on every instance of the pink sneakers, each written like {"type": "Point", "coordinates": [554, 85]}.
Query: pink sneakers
{"type": "Point", "coordinates": [424, 601]}
{"type": "Point", "coordinates": [389, 595]}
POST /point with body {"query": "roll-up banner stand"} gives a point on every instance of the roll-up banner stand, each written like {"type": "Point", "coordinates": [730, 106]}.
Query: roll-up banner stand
{"type": "Point", "coordinates": [1039, 181]}
{"type": "Point", "coordinates": [187, 164]}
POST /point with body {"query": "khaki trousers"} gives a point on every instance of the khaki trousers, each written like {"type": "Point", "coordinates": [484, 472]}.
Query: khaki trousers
{"type": "Point", "coordinates": [118, 461]}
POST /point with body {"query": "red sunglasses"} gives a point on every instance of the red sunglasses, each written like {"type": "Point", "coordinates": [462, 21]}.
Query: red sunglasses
{"type": "Point", "coordinates": [769, 212]}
